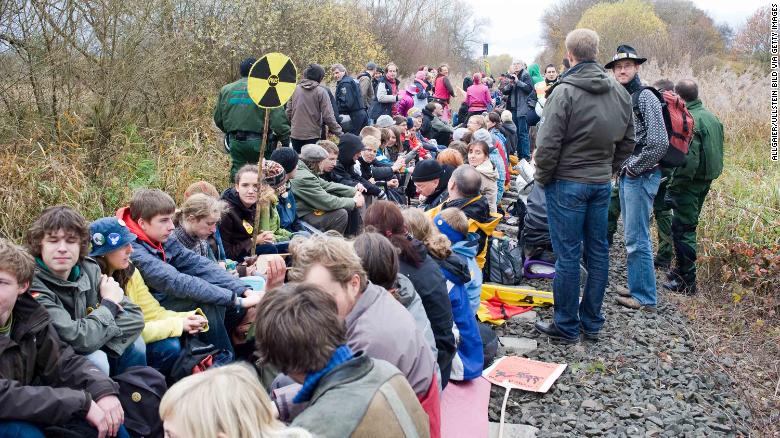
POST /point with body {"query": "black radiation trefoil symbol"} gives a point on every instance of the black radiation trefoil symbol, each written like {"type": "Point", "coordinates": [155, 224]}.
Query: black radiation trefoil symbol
{"type": "Point", "coordinates": [271, 80]}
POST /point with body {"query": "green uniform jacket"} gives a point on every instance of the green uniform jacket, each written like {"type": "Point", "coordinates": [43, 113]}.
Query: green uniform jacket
{"type": "Point", "coordinates": [705, 154]}
{"type": "Point", "coordinates": [236, 111]}
{"type": "Point", "coordinates": [76, 313]}
{"type": "Point", "coordinates": [314, 193]}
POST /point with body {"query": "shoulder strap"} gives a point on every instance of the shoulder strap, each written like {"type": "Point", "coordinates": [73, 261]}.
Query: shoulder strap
{"type": "Point", "coordinates": [635, 101]}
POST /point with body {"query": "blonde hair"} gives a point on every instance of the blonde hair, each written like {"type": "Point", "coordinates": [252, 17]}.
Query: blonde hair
{"type": "Point", "coordinates": [199, 206]}
{"type": "Point", "coordinates": [329, 146]}
{"type": "Point", "coordinates": [583, 44]}
{"type": "Point", "coordinates": [371, 141]}
{"type": "Point", "coordinates": [227, 400]}
{"type": "Point", "coordinates": [331, 252]}
{"type": "Point", "coordinates": [456, 219]}
{"type": "Point", "coordinates": [370, 130]}
{"type": "Point", "coordinates": [480, 120]}
{"type": "Point", "coordinates": [422, 229]}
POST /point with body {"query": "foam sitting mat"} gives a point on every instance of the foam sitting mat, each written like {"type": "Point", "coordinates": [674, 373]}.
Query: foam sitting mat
{"type": "Point", "coordinates": [500, 302]}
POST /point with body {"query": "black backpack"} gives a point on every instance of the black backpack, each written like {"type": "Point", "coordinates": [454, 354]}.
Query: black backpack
{"type": "Point", "coordinates": [140, 391]}
{"type": "Point", "coordinates": [504, 262]}
{"type": "Point", "coordinates": [196, 356]}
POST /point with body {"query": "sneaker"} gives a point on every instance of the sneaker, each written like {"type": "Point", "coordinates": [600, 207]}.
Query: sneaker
{"type": "Point", "coordinates": [678, 286]}
{"type": "Point", "coordinates": [552, 332]}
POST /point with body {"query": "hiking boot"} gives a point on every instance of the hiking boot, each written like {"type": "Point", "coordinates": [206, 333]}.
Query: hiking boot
{"type": "Point", "coordinates": [672, 274]}
{"type": "Point", "coordinates": [552, 332]}
{"type": "Point", "coordinates": [679, 286]}
{"type": "Point", "coordinates": [622, 291]}
{"type": "Point", "coordinates": [633, 303]}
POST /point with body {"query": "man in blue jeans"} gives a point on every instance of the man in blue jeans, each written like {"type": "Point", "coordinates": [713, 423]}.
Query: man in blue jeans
{"type": "Point", "coordinates": [640, 177]}
{"type": "Point", "coordinates": [585, 134]}
{"type": "Point", "coordinates": [517, 90]}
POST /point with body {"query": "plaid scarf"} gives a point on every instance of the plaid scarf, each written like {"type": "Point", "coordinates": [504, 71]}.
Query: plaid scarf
{"type": "Point", "coordinates": [340, 355]}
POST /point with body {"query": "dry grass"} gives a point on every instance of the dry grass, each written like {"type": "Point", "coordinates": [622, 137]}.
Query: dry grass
{"type": "Point", "coordinates": [737, 312]}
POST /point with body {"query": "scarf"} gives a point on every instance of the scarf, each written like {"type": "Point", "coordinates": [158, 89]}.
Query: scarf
{"type": "Point", "coordinates": [74, 275]}
{"type": "Point", "coordinates": [6, 329]}
{"type": "Point", "coordinates": [339, 356]}
{"type": "Point", "coordinates": [634, 86]}
{"type": "Point", "coordinates": [192, 243]}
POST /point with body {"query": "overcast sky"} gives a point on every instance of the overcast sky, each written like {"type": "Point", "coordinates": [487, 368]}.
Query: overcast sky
{"type": "Point", "coordinates": [515, 28]}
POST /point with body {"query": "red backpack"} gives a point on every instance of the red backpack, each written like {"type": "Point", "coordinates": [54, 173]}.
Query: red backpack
{"type": "Point", "coordinates": [679, 125]}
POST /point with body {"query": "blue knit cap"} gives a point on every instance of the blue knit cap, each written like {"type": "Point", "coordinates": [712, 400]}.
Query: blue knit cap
{"type": "Point", "coordinates": [445, 228]}
{"type": "Point", "coordinates": [109, 234]}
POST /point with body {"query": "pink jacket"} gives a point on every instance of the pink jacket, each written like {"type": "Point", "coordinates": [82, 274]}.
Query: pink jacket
{"type": "Point", "coordinates": [478, 98]}
{"type": "Point", "coordinates": [405, 104]}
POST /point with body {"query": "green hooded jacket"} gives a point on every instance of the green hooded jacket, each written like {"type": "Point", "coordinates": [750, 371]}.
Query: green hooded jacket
{"type": "Point", "coordinates": [75, 309]}
{"type": "Point", "coordinates": [314, 193]}
{"type": "Point", "coordinates": [705, 153]}
{"type": "Point", "coordinates": [536, 73]}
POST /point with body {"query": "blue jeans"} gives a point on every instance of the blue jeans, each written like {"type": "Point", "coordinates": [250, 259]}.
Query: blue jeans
{"type": "Point", "coordinates": [636, 203]}
{"type": "Point", "coordinates": [161, 355]}
{"type": "Point", "coordinates": [523, 142]}
{"type": "Point", "coordinates": [577, 214]}
{"type": "Point", "coordinates": [134, 355]}
{"type": "Point", "coordinates": [24, 429]}
{"type": "Point", "coordinates": [19, 429]}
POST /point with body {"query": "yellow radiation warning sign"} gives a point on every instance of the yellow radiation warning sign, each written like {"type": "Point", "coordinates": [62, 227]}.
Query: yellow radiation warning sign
{"type": "Point", "coordinates": [271, 80]}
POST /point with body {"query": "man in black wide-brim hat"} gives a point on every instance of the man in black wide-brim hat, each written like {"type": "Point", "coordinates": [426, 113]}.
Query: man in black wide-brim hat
{"type": "Point", "coordinates": [640, 177]}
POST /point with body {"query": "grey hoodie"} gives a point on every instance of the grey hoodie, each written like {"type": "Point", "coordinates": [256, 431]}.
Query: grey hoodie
{"type": "Point", "coordinates": [308, 108]}
{"type": "Point", "coordinates": [587, 129]}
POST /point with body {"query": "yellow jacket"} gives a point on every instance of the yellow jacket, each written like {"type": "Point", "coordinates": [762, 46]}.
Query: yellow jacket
{"type": "Point", "coordinates": [160, 322]}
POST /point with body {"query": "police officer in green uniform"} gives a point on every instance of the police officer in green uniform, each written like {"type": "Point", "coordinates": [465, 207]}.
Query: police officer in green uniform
{"type": "Point", "coordinates": [689, 186]}
{"type": "Point", "coordinates": [242, 122]}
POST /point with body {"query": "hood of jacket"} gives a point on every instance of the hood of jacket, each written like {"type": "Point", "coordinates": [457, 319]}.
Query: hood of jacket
{"type": "Point", "coordinates": [468, 247]}
{"type": "Point", "coordinates": [455, 269]}
{"type": "Point", "coordinates": [476, 208]}
{"type": "Point", "coordinates": [487, 170]}
{"type": "Point", "coordinates": [349, 146]}
{"type": "Point", "coordinates": [231, 197]}
{"type": "Point", "coordinates": [588, 76]}
{"type": "Point", "coordinates": [405, 292]}
{"type": "Point", "coordinates": [124, 214]}
{"type": "Point", "coordinates": [309, 84]}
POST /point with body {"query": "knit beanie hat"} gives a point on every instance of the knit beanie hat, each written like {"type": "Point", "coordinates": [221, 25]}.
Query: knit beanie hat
{"type": "Point", "coordinates": [482, 134]}
{"type": "Point", "coordinates": [459, 133]}
{"type": "Point", "coordinates": [427, 170]}
{"type": "Point", "coordinates": [384, 121]}
{"type": "Point", "coordinates": [274, 176]}
{"type": "Point", "coordinates": [287, 157]}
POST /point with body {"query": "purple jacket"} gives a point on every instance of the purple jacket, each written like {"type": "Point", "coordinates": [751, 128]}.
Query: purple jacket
{"type": "Point", "coordinates": [381, 327]}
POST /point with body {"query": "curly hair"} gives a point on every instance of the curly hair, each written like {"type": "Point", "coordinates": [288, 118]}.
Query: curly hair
{"type": "Point", "coordinates": [422, 229]}
{"type": "Point", "coordinates": [54, 219]}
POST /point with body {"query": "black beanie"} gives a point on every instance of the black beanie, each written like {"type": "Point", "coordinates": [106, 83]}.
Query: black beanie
{"type": "Point", "coordinates": [245, 66]}
{"type": "Point", "coordinates": [427, 170]}
{"type": "Point", "coordinates": [287, 157]}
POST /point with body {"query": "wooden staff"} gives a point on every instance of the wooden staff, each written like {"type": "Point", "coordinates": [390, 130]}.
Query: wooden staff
{"type": "Point", "coordinates": [260, 182]}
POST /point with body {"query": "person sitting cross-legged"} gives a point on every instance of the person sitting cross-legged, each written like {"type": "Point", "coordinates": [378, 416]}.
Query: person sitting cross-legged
{"type": "Point", "coordinates": [43, 382]}
{"type": "Point", "coordinates": [162, 327]}
{"type": "Point", "coordinates": [300, 330]}
{"type": "Point", "coordinates": [182, 280]}
{"type": "Point", "coordinates": [89, 309]}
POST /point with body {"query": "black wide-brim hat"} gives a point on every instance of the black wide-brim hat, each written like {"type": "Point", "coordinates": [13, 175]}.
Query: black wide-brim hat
{"type": "Point", "coordinates": [625, 52]}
